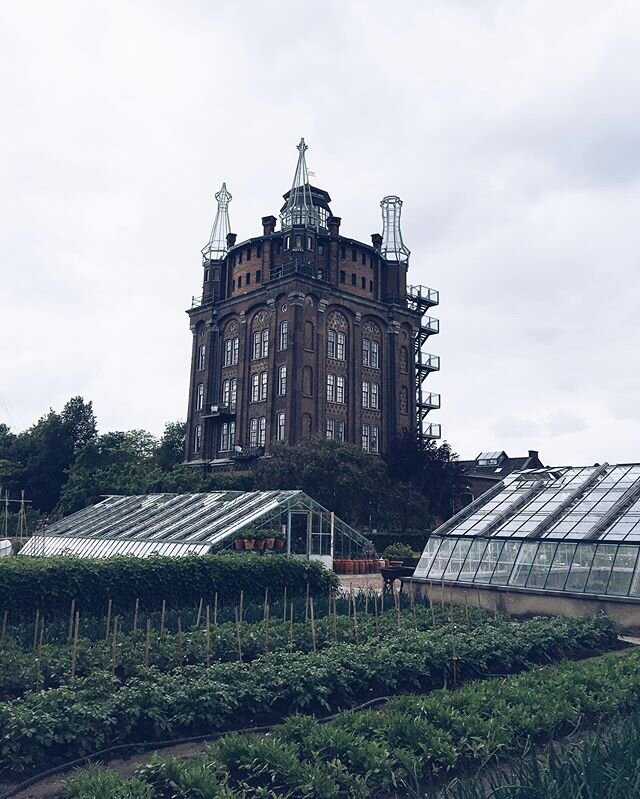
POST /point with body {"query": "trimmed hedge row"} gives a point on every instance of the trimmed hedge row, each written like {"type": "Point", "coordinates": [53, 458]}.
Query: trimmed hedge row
{"type": "Point", "coordinates": [50, 584]}
{"type": "Point", "coordinates": [52, 726]}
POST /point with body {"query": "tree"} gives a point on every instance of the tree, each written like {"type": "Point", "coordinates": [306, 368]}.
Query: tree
{"type": "Point", "coordinates": [170, 451]}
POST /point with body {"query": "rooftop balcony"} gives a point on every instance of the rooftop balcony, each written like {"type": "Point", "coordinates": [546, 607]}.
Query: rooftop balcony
{"type": "Point", "coordinates": [432, 431]}
{"type": "Point", "coordinates": [204, 299]}
{"type": "Point", "coordinates": [429, 400]}
{"type": "Point", "coordinates": [429, 324]}
{"type": "Point", "coordinates": [428, 362]}
{"type": "Point", "coordinates": [422, 296]}
{"type": "Point", "coordinates": [296, 266]}
{"type": "Point", "coordinates": [218, 411]}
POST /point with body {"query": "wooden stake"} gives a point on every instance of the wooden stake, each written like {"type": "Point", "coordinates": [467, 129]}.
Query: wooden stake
{"type": "Point", "coordinates": [335, 619]}
{"type": "Point", "coordinates": [313, 626]}
{"type": "Point", "coordinates": [375, 615]}
{"type": "Point", "coordinates": [267, 612]}
{"type": "Point", "coordinates": [382, 602]}
{"type": "Point", "coordinates": [5, 619]}
{"type": "Point", "coordinates": [135, 615]}
{"type": "Point", "coordinates": [215, 610]}
{"type": "Point", "coordinates": [74, 648]}
{"type": "Point", "coordinates": [114, 646]}
{"type": "Point", "coordinates": [179, 642]}
{"type": "Point", "coordinates": [398, 608]}
{"type": "Point", "coordinates": [291, 626]}
{"type": "Point", "coordinates": [199, 613]}
{"type": "Point", "coordinates": [147, 643]}
{"type": "Point", "coordinates": [355, 618]}
{"type": "Point", "coordinates": [433, 612]}
{"type": "Point", "coordinates": [107, 627]}
{"type": "Point", "coordinates": [162, 614]}
{"type": "Point", "coordinates": [238, 635]}
{"type": "Point", "coordinates": [35, 629]}
{"type": "Point", "coordinates": [72, 614]}
{"type": "Point", "coordinates": [366, 604]}
{"type": "Point", "coordinates": [466, 609]}
{"type": "Point", "coordinates": [442, 593]}
{"type": "Point", "coordinates": [266, 602]}
{"type": "Point", "coordinates": [284, 605]}
{"type": "Point", "coordinates": [208, 636]}
{"type": "Point", "coordinates": [241, 605]}
{"type": "Point", "coordinates": [451, 601]}
{"type": "Point", "coordinates": [306, 605]}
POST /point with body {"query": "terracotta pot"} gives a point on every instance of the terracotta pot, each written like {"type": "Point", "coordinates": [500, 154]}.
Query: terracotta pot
{"type": "Point", "coordinates": [338, 566]}
{"type": "Point", "coordinates": [278, 543]}
{"type": "Point", "coordinates": [362, 564]}
{"type": "Point", "coordinates": [269, 542]}
{"type": "Point", "coordinates": [248, 543]}
{"type": "Point", "coordinates": [348, 566]}
{"type": "Point", "coordinates": [259, 545]}
{"type": "Point", "coordinates": [238, 544]}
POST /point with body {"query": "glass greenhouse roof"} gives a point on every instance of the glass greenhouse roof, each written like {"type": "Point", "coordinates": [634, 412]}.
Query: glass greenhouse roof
{"type": "Point", "coordinates": [172, 524]}
{"type": "Point", "coordinates": [567, 529]}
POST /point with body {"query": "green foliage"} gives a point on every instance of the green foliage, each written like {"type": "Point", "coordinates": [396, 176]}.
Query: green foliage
{"type": "Point", "coordinates": [45, 727]}
{"type": "Point", "coordinates": [400, 551]}
{"type": "Point", "coordinates": [50, 584]}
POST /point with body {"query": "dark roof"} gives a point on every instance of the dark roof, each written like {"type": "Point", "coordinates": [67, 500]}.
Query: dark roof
{"type": "Point", "coordinates": [498, 471]}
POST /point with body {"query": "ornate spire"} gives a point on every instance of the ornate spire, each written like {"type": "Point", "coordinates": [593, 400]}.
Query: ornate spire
{"type": "Point", "coordinates": [393, 248]}
{"type": "Point", "coordinates": [216, 248]}
{"type": "Point", "coordinates": [300, 208]}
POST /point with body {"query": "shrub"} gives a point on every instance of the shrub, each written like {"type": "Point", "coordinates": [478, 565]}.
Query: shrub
{"type": "Point", "coordinates": [400, 551]}
{"type": "Point", "coordinates": [28, 584]}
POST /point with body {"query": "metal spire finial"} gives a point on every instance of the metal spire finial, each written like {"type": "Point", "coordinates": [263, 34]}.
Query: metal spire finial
{"type": "Point", "coordinates": [216, 248]}
{"type": "Point", "coordinates": [393, 248]}
{"type": "Point", "coordinates": [300, 209]}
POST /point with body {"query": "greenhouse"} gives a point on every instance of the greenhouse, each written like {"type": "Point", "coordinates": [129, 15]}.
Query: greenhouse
{"type": "Point", "coordinates": [198, 524]}
{"type": "Point", "coordinates": [565, 531]}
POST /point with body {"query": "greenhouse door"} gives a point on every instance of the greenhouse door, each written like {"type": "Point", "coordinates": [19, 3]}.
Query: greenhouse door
{"type": "Point", "coordinates": [308, 537]}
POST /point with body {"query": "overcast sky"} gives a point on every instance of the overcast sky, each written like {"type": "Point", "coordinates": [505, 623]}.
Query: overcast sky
{"type": "Point", "coordinates": [511, 130]}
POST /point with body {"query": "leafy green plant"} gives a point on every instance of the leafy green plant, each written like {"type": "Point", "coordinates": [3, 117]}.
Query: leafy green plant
{"type": "Point", "coordinates": [400, 551]}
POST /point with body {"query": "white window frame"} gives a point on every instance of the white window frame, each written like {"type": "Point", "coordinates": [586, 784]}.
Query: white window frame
{"type": "Point", "coordinates": [284, 335]}
{"type": "Point", "coordinates": [265, 343]}
{"type": "Point", "coordinates": [282, 381]}
{"type": "Point", "coordinates": [331, 344]}
{"type": "Point", "coordinates": [200, 397]}
{"type": "Point", "coordinates": [233, 394]}
{"type": "Point", "coordinates": [375, 355]}
{"type": "Point", "coordinates": [340, 389]}
{"type": "Point", "coordinates": [226, 392]}
{"type": "Point", "coordinates": [331, 388]}
{"type": "Point", "coordinates": [365, 438]}
{"type": "Point", "coordinates": [255, 387]}
{"type": "Point", "coordinates": [341, 346]}
{"type": "Point", "coordinates": [262, 431]}
{"type": "Point", "coordinates": [330, 427]}
{"type": "Point", "coordinates": [253, 433]}
{"type": "Point", "coordinates": [339, 430]}
{"type": "Point", "coordinates": [366, 351]}
{"type": "Point", "coordinates": [281, 426]}
{"type": "Point", "coordinates": [257, 345]}
{"type": "Point", "coordinates": [197, 438]}
{"type": "Point", "coordinates": [202, 357]}
{"type": "Point", "coordinates": [263, 386]}
{"type": "Point", "coordinates": [366, 393]}
{"type": "Point", "coordinates": [374, 402]}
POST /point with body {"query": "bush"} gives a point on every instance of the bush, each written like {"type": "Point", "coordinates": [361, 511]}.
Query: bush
{"type": "Point", "coordinates": [50, 584]}
{"type": "Point", "coordinates": [400, 551]}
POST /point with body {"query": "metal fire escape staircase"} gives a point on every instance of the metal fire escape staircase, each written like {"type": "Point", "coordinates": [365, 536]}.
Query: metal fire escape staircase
{"type": "Point", "coordinates": [420, 299]}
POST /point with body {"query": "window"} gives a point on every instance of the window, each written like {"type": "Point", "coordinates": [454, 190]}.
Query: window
{"type": "Point", "coordinates": [282, 381]}
{"type": "Point", "coordinates": [265, 343]}
{"type": "Point", "coordinates": [331, 344]}
{"type": "Point", "coordinates": [330, 428]}
{"type": "Point", "coordinates": [259, 276]}
{"type": "Point", "coordinates": [370, 438]}
{"type": "Point", "coordinates": [366, 390]}
{"type": "Point", "coordinates": [309, 243]}
{"type": "Point", "coordinates": [257, 347]}
{"type": "Point", "coordinates": [239, 281]}
{"type": "Point", "coordinates": [363, 283]}
{"type": "Point", "coordinates": [353, 254]}
{"type": "Point", "coordinates": [262, 431]}
{"type": "Point", "coordinates": [247, 278]}
{"type": "Point", "coordinates": [343, 276]}
{"type": "Point", "coordinates": [255, 387]}
{"type": "Point", "coordinates": [240, 257]}
{"type": "Point", "coordinates": [226, 392]}
{"type": "Point", "coordinates": [366, 352]}
{"type": "Point", "coordinates": [343, 252]}
{"type": "Point", "coordinates": [339, 430]}
{"type": "Point", "coordinates": [259, 251]}
{"type": "Point", "coordinates": [236, 345]}
{"type": "Point", "coordinates": [280, 428]}
{"type": "Point", "coordinates": [340, 389]}
{"type": "Point", "coordinates": [233, 285]}
{"type": "Point", "coordinates": [298, 243]}
{"type": "Point", "coordinates": [248, 253]}
{"type": "Point", "coordinates": [202, 357]}
{"type": "Point", "coordinates": [200, 397]}
{"type": "Point", "coordinates": [263, 386]}
{"type": "Point", "coordinates": [320, 249]}
{"type": "Point", "coordinates": [233, 394]}
{"type": "Point", "coordinates": [375, 396]}
{"type": "Point", "coordinates": [340, 347]}
{"type": "Point", "coordinates": [253, 433]}
{"type": "Point", "coordinates": [331, 388]}
{"type": "Point", "coordinates": [287, 241]}
{"type": "Point", "coordinates": [227, 436]}
{"type": "Point", "coordinates": [374, 354]}
{"type": "Point", "coordinates": [228, 352]}
{"type": "Point", "coordinates": [363, 257]}
{"type": "Point", "coordinates": [284, 335]}
{"type": "Point", "coordinates": [353, 278]}
{"type": "Point", "coordinates": [206, 275]}
{"type": "Point", "coordinates": [370, 285]}
{"type": "Point", "coordinates": [197, 438]}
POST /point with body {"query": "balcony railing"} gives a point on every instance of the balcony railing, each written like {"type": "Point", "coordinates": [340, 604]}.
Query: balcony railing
{"type": "Point", "coordinates": [423, 295]}
{"type": "Point", "coordinates": [430, 400]}
{"type": "Point", "coordinates": [432, 431]}
{"type": "Point", "coordinates": [216, 410]}
{"type": "Point", "coordinates": [241, 453]}
{"type": "Point", "coordinates": [430, 324]}
{"type": "Point", "coordinates": [296, 267]}
{"type": "Point", "coordinates": [429, 362]}
{"type": "Point", "coordinates": [204, 299]}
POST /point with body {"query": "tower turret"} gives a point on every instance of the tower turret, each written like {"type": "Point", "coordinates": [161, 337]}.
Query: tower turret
{"type": "Point", "coordinates": [393, 248]}
{"type": "Point", "coordinates": [216, 248]}
{"type": "Point", "coordinates": [305, 205]}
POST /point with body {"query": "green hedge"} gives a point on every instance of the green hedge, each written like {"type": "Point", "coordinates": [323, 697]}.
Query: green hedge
{"type": "Point", "coordinates": [50, 584]}
{"type": "Point", "coordinates": [45, 727]}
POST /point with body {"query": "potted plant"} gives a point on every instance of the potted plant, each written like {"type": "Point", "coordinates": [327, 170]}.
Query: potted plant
{"type": "Point", "coordinates": [278, 543]}
{"type": "Point", "coordinates": [269, 538]}
{"type": "Point", "coordinates": [249, 538]}
{"type": "Point", "coordinates": [238, 542]}
{"type": "Point", "coordinates": [259, 540]}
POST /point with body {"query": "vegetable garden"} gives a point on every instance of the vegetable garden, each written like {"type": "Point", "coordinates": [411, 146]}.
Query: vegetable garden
{"type": "Point", "coordinates": [229, 661]}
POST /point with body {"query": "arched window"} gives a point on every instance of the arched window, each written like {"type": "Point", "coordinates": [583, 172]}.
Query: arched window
{"type": "Point", "coordinates": [200, 397]}
{"type": "Point", "coordinates": [202, 357]}
{"type": "Point", "coordinates": [307, 381]}
{"type": "Point", "coordinates": [337, 336]}
{"type": "Point", "coordinates": [404, 400]}
{"type": "Point", "coordinates": [282, 381]}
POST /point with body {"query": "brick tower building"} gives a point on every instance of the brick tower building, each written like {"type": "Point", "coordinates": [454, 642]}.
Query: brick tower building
{"type": "Point", "coordinates": [303, 331]}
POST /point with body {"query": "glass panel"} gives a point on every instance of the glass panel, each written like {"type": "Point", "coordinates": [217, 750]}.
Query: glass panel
{"type": "Point", "coordinates": [601, 569]}
{"type": "Point", "coordinates": [505, 563]}
{"type": "Point", "coordinates": [427, 557]}
{"type": "Point", "coordinates": [442, 558]}
{"type": "Point", "coordinates": [635, 582]}
{"type": "Point", "coordinates": [560, 567]}
{"type": "Point", "coordinates": [523, 564]}
{"type": "Point", "coordinates": [475, 559]}
{"type": "Point", "coordinates": [457, 559]}
{"type": "Point", "coordinates": [622, 572]}
{"type": "Point", "coordinates": [541, 566]}
{"type": "Point", "coordinates": [580, 566]}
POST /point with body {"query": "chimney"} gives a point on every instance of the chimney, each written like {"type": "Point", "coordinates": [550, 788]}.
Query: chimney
{"type": "Point", "coordinates": [376, 240]}
{"type": "Point", "coordinates": [334, 225]}
{"type": "Point", "coordinates": [268, 225]}
{"type": "Point", "coordinates": [231, 240]}
{"type": "Point", "coordinates": [533, 453]}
